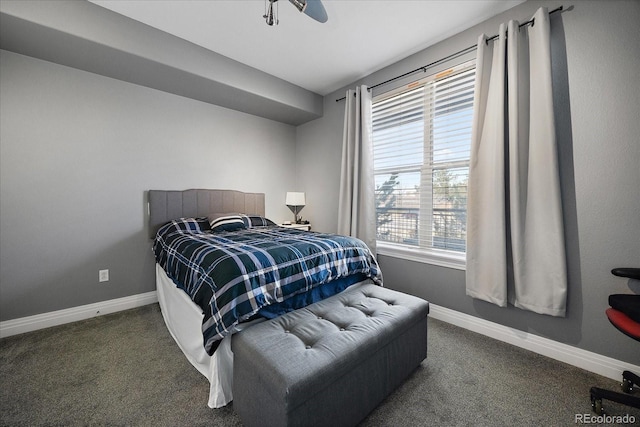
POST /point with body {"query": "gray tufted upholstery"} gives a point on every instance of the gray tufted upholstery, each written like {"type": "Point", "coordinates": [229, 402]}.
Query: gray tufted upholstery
{"type": "Point", "coordinates": [330, 363]}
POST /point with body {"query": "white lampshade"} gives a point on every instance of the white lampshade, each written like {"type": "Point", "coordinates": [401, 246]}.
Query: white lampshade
{"type": "Point", "coordinates": [295, 199]}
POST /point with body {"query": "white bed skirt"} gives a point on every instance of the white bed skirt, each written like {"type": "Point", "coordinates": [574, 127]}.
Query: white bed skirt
{"type": "Point", "coordinates": [184, 321]}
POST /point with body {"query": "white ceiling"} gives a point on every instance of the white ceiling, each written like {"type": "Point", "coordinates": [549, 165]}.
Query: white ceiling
{"type": "Point", "coordinates": [360, 37]}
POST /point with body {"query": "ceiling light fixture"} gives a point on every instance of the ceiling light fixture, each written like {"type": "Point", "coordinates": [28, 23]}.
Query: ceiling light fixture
{"type": "Point", "coordinates": [311, 8]}
{"type": "Point", "coordinates": [269, 16]}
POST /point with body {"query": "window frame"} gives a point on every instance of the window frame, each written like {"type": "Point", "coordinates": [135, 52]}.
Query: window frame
{"type": "Point", "coordinates": [429, 255]}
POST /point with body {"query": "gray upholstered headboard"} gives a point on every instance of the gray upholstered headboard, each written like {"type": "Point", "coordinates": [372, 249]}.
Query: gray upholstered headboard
{"type": "Point", "coordinates": [167, 205]}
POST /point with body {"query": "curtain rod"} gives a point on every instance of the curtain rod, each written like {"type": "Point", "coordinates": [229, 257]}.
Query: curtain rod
{"type": "Point", "coordinates": [453, 55]}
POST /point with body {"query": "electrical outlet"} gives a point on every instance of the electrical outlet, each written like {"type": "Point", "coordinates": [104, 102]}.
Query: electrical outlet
{"type": "Point", "coordinates": [103, 275]}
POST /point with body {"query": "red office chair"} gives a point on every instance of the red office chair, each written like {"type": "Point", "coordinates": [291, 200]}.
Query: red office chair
{"type": "Point", "coordinates": [624, 314]}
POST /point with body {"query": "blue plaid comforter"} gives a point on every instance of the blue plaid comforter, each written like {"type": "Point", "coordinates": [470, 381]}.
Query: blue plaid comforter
{"type": "Point", "coordinates": [231, 275]}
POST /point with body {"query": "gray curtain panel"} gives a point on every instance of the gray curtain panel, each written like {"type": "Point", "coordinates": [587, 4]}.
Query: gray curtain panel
{"type": "Point", "coordinates": [515, 223]}
{"type": "Point", "coordinates": [356, 208]}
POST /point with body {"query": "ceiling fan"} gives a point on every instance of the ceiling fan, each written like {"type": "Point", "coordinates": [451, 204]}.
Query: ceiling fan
{"type": "Point", "coordinates": [311, 8]}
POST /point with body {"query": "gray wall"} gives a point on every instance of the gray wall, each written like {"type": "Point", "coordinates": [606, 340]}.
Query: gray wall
{"type": "Point", "coordinates": [598, 106]}
{"type": "Point", "coordinates": [88, 37]}
{"type": "Point", "coordinates": [77, 153]}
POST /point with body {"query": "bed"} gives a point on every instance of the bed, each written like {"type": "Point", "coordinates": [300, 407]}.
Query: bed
{"type": "Point", "coordinates": [178, 222]}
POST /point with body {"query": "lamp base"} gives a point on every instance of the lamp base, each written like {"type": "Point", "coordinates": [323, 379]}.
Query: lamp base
{"type": "Point", "coordinates": [296, 210]}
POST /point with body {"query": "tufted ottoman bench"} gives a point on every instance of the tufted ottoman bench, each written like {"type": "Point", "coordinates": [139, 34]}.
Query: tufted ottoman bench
{"type": "Point", "coordinates": [331, 363]}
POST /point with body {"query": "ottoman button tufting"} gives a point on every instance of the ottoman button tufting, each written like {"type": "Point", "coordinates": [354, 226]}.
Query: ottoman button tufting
{"type": "Point", "coordinates": [342, 380]}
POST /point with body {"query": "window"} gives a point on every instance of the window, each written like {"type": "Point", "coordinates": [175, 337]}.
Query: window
{"type": "Point", "coordinates": [422, 140]}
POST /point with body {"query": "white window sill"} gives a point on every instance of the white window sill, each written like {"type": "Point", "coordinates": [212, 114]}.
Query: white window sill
{"type": "Point", "coordinates": [442, 258]}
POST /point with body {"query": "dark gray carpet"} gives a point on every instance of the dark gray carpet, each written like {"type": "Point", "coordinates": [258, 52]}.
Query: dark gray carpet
{"type": "Point", "coordinates": [125, 369]}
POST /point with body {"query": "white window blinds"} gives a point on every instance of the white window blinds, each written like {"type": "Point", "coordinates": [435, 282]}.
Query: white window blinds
{"type": "Point", "coordinates": [421, 138]}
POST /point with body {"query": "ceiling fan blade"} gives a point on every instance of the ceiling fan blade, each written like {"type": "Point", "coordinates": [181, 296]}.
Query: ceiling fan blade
{"type": "Point", "coordinates": [311, 8]}
{"type": "Point", "coordinates": [316, 10]}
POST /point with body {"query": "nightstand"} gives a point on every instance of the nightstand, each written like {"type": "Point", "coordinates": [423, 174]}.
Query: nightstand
{"type": "Point", "coordinates": [305, 227]}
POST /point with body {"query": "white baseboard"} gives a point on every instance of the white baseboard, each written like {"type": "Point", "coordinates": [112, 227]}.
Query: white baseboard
{"type": "Point", "coordinates": [60, 317]}
{"type": "Point", "coordinates": [592, 362]}
{"type": "Point", "coordinates": [589, 361]}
